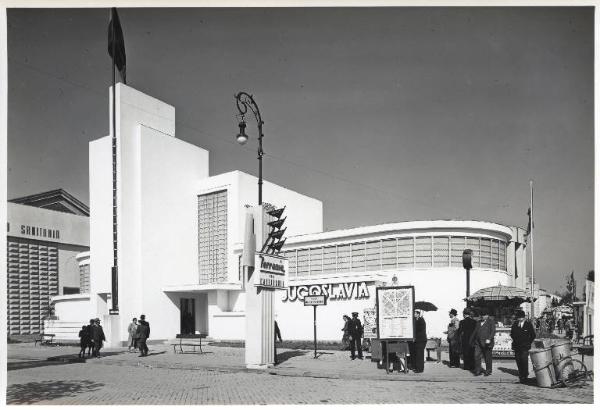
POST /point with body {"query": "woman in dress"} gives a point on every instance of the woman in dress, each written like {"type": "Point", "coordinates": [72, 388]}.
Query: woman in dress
{"type": "Point", "coordinates": [346, 334]}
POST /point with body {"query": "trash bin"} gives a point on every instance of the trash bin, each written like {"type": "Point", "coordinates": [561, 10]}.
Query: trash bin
{"type": "Point", "coordinates": [543, 366]}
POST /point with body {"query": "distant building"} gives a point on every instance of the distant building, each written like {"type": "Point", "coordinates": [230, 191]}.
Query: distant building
{"type": "Point", "coordinates": [45, 232]}
{"type": "Point", "coordinates": [543, 299]}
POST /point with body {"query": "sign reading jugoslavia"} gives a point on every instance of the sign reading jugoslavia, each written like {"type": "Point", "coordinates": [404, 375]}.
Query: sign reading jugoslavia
{"type": "Point", "coordinates": [317, 300]}
{"type": "Point", "coordinates": [270, 271]}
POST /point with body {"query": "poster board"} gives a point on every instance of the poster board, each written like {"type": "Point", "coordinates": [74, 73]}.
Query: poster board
{"type": "Point", "coordinates": [395, 312]}
{"type": "Point", "coordinates": [369, 323]}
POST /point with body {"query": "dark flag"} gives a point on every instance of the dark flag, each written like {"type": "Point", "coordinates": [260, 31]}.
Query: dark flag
{"type": "Point", "coordinates": [116, 43]}
{"type": "Point", "coordinates": [529, 223]}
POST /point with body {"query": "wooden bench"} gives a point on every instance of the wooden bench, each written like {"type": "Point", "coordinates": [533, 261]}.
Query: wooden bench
{"type": "Point", "coordinates": [434, 345]}
{"type": "Point", "coordinates": [44, 339]}
{"type": "Point", "coordinates": [190, 340]}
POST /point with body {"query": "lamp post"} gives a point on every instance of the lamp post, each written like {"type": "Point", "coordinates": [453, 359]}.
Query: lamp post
{"type": "Point", "coordinates": [245, 102]}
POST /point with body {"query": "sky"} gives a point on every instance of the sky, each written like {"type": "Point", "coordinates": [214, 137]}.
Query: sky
{"type": "Point", "coordinates": [384, 114]}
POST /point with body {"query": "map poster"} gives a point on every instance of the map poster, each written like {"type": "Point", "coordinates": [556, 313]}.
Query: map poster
{"type": "Point", "coordinates": [395, 312]}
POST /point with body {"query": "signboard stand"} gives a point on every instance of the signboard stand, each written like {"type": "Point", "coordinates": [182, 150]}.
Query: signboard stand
{"type": "Point", "coordinates": [395, 325]}
{"type": "Point", "coordinates": [315, 301]}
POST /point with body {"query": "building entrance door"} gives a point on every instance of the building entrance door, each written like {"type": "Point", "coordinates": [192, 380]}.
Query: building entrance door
{"type": "Point", "coordinates": [187, 319]}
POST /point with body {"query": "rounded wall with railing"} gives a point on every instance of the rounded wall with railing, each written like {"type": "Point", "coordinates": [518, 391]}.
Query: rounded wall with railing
{"type": "Point", "coordinates": [423, 254]}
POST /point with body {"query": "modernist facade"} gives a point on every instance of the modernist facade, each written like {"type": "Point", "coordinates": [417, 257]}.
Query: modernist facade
{"type": "Point", "coordinates": [181, 236]}
{"type": "Point", "coordinates": [45, 232]}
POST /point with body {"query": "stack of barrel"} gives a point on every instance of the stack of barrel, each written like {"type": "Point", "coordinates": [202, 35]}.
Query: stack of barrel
{"type": "Point", "coordinates": [551, 362]}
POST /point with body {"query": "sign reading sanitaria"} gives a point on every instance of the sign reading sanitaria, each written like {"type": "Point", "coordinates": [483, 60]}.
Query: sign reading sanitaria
{"type": "Point", "coordinates": [395, 312]}
{"type": "Point", "coordinates": [270, 271]}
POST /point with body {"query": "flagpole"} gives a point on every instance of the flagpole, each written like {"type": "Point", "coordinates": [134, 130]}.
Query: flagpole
{"type": "Point", "coordinates": [114, 272]}
{"type": "Point", "coordinates": [531, 241]}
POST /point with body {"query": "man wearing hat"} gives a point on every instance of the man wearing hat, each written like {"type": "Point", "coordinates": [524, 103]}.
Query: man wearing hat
{"type": "Point", "coordinates": [144, 334]}
{"type": "Point", "coordinates": [522, 334]}
{"type": "Point", "coordinates": [453, 341]}
{"type": "Point", "coordinates": [418, 347]}
{"type": "Point", "coordinates": [466, 327]}
{"type": "Point", "coordinates": [356, 332]}
{"type": "Point", "coordinates": [483, 341]}
{"type": "Point", "coordinates": [98, 337]}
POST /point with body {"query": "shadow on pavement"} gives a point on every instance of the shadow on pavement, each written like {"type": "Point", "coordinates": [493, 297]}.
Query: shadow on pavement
{"type": "Point", "coordinates": [282, 357]}
{"type": "Point", "coordinates": [30, 364]}
{"type": "Point", "coordinates": [513, 372]}
{"type": "Point", "coordinates": [28, 393]}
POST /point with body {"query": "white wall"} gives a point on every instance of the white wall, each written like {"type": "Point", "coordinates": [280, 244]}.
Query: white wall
{"type": "Point", "coordinates": [101, 256]}
{"type": "Point", "coordinates": [444, 287]}
{"type": "Point", "coordinates": [156, 211]}
{"type": "Point", "coordinates": [73, 308]}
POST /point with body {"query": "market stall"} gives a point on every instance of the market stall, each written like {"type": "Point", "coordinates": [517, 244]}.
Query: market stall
{"type": "Point", "coordinates": [501, 301]}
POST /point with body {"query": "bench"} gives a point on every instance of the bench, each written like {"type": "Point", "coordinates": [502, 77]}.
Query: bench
{"type": "Point", "coordinates": [190, 340]}
{"type": "Point", "coordinates": [44, 339]}
{"type": "Point", "coordinates": [434, 345]}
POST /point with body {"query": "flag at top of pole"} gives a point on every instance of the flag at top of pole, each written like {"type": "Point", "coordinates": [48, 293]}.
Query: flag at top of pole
{"type": "Point", "coordinates": [116, 43]}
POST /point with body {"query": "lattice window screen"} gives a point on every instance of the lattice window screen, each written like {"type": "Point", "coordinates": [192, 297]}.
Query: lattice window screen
{"type": "Point", "coordinates": [32, 279]}
{"type": "Point", "coordinates": [212, 237]}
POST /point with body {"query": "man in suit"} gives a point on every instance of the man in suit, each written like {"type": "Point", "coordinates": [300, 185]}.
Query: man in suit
{"type": "Point", "coordinates": [466, 327]}
{"type": "Point", "coordinates": [356, 332]}
{"type": "Point", "coordinates": [97, 336]}
{"type": "Point", "coordinates": [522, 334]}
{"type": "Point", "coordinates": [418, 353]}
{"type": "Point", "coordinates": [483, 341]}
{"type": "Point", "coordinates": [452, 337]}
{"type": "Point", "coordinates": [144, 334]}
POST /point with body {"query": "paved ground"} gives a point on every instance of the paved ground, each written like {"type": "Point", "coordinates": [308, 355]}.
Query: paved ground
{"type": "Point", "coordinates": [219, 377]}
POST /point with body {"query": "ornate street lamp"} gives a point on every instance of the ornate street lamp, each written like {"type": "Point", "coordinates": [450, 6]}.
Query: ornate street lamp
{"type": "Point", "coordinates": [245, 102]}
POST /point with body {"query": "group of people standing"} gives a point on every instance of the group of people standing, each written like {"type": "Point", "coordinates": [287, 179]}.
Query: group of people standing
{"type": "Point", "coordinates": [91, 337]}
{"type": "Point", "coordinates": [139, 332]}
{"type": "Point", "coordinates": [473, 339]}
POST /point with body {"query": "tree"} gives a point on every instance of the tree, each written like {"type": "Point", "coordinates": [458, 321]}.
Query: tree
{"type": "Point", "coordinates": [590, 276]}
{"type": "Point", "coordinates": [554, 302]}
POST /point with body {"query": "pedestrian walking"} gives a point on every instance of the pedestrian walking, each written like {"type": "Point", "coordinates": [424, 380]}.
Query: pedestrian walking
{"type": "Point", "coordinates": [356, 333]}
{"type": "Point", "coordinates": [569, 329]}
{"type": "Point", "coordinates": [418, 347]}
{"type": "Point", "coordinates": [453, 339]}
{"type": "Point", "coordinates": [277, 336]}
{"type": "Point", "coordinates": [132, 330]}
{"type": "Point", "coordinates": [84, 340]}
{"type": "Point", "coordinates": [522, 334]}
{"type": "Point", "coordinates": [466, 327]}
{"type": "Point", "coordinates": [483, 342]}
{"type": "Point", "coordinates": [98, 337]}
{"type": "Point", "coordinates": [144, 334]}
{"type": "Point", "coordinates": [346, 333]}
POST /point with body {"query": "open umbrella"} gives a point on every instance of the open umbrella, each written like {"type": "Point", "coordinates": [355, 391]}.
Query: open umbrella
{"type": "Point", "coordinates": [425, 306]}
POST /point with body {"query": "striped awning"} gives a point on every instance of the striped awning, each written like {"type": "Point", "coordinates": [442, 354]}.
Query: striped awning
{"type": "Point", "coordinates": [500, 293]}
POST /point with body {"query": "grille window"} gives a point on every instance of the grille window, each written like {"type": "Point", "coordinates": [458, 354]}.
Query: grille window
{"type": "Point", "coordinates": [388, 254]}
{"type": "Point", "coordinates": [329, 259]}
{"type": "Point", "coordinates": [358, 257]}
{"type": "Point", "coordinates": [212, 237]}
{"type": "Point", "coordinates": [344, 257]}
{"type": "Point", "coordinates": [406, 253]}
{"type": "Point", "coordinates": [441, 251]}
{"type": "Point", "coordinates": [423, 251]}
{"type": "Point", "coordinates": [458, 245]}
{"type": "Point", "coordinates": [373, 255]}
